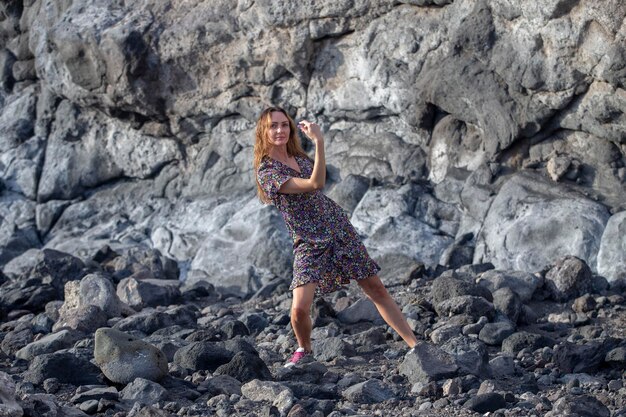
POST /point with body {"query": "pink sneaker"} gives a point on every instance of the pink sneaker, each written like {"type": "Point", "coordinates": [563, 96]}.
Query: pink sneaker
{"type": "Point", "coordinates": [298, 357]}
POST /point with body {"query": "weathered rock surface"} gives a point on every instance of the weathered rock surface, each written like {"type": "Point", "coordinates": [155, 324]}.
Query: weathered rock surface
{"type": "Point", "coordinates": [122, 357]}
{"type": "Point", "coordinates": [449, 130]}
{"type": "Point", "coordinates": [461, 131]}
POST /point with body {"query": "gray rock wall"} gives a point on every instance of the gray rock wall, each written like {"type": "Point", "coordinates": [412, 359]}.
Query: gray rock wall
{"type": "Point", "coordinates": [491, 124]}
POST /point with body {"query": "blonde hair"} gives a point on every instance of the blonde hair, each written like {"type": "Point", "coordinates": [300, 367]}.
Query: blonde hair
{"type": "Point", "coordinates": [262, 146]}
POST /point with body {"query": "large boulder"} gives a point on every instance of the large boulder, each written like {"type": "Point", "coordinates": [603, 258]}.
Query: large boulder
{"type": "Point", "coordinates": [532, 223]}
{"type": "Point", "coordinates": [123, 357]}
{"type": "Point", "coordinates": [612, 253]}
{"type": "Point", "coordinates": [258, 247]}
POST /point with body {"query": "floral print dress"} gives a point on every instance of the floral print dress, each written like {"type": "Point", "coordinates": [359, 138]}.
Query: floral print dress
{"type": "Point", "coordinates": [326, 247]}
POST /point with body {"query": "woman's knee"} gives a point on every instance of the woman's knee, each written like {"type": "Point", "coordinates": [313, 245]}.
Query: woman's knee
{"type": "Point", "coordinates": [374, 288]}
{"type": "Point", "coordinates": [299, 313]}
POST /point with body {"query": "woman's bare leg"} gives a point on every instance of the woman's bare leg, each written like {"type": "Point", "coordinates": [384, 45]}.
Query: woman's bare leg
{"type": "Point", "coordinates": [301, 314]}
{"type": "Point", "coordinates": [387, 307]}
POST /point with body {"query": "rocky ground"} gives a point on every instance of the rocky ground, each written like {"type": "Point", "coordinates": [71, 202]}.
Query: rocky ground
{"type": "Point", "coordinates": [117, 335]}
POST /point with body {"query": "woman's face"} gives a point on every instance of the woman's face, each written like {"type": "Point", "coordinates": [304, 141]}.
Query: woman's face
{"type": "Point", "coordinates": [279, 129]}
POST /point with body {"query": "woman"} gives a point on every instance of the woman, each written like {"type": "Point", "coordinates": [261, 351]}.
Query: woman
{"type": "Point", "coordinates": [327, 250]}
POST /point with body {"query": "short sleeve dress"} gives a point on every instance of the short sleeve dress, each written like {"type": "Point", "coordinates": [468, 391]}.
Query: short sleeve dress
{"type": "Point", "coordinates": [326, 247]}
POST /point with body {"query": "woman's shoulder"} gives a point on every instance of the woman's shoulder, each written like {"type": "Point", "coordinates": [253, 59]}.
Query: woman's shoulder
{"type": "Point", "coordinates": [266, 163]}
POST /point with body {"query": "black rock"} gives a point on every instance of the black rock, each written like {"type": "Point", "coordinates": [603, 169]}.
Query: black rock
{"type": "Point", "coordinates": [66, 367]}
{"type": "Point", "coordinates": [234, 328]}
{"type": "Point", "coordinates": [446, 287]}
{"type": "Point", "coordinates": [255, 322]}
{"type": "Point", "coordinates": [147, 321]}
{"type": "Point", "coordinates": [520, 340]}
{"type": "Point", "coordinates": [572, 358]}
{"type": "Point", "coordinates": [202, 355]}
{"type": "Point", "coordinates": [245, 367]}
{"type": "Point", "coordinates": [485, 403]}
{"type": "Point", "coordinates": [305, 390]}
{"type": "Point", "coordinates": [495, 333]}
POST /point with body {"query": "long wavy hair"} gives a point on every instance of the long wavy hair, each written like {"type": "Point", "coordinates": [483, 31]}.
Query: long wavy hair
{"type": "Point", "coordinates": [262, 144]}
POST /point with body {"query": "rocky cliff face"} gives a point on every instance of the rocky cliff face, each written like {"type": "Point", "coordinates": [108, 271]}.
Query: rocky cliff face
{"type": "Point", "coordinates": [457, 131]}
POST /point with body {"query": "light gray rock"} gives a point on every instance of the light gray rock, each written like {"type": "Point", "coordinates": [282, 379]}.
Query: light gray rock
{"type": "Point", "coordinates": [90, 150]}
{"type": "Point", "coordinates": [524, 284]}
{"type": "Point", "coordinates": [147, 126]}
{"type": "Point", "coordinates": [612, 253]}
{"type": "Point", "coordinates": [584, 404]}
{"type": "Point", "coordinates": [8, 402]}
{"type": "Point", "coordinates": [94, 289]}
{"type": "Point", "coordinates": [363, 309]}
{"type": "Point", "coordinates": [383, 213]}
{"type": "Point", "coordinates": [502, 365]}
{"type": "Point", "coordinates": [97, 393]}
{"type": "Point", "coordinates": [48, 344]}
{"type": "Point", "coordinates": [223, 384]}
{"type": "Point", "coordinates": [122, 357]}
{"type": "Point", "coordinates": [539, 223]}
{"type": "Point", "coordinates": [85, 318]}
{"type": "Point", "coordinates": [143, 391]}
{"type": "Point", "coordinates": [257, 243]}
{"type": "Point", "coordinates": [139, 293]}
{"type": "Point", "coordinates": [275, 393]}
{"type": "Point", "coordinates": [349, 192]}
{"type": "Point", "coordinates": [18, 230]}
{"type": "Point", "coordinates": [444, 333]}
{"type": "Point", "coordinates": [399, 269]}
{"type": "Point", "coordinates": [371, 391]}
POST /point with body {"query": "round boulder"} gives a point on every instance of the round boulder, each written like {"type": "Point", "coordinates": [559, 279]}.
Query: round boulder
{"type": "Point", "coordinates": [122, 357]}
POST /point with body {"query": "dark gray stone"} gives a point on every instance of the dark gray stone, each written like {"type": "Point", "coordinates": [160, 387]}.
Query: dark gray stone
{"type": "Point", "coordinates": [234, 328]}
{"type": "Point", "coordinates": [475, 307]}
{"type": "Point", "coordinates": [485, 403]}
{"type": "Point", "coordinates": [524, 284]}
{"type": "Point", "coordinates": [569, 278]}
{"type": "Point", "coordinates": [202, 355]}
{"type": "Point", "coordinates": [66, 367]}
{"type": "Point", "coordinates": [144, 392]}
{"type": "Point", "coordinates": [245, 367]}
{"type": "Point", "coordinates": [495, 333]}
{"type": "Point", "coordinates": [470, 354]}
{"type": "Point", "coordinates": [445, 287]}
{"type": "Point", "coordinates": [332, 347]}
{"type": "Point", "coordinates": [521, 340]}
{"type": "Point", "coordinates": [426, 363]}
{"type": "Point", "coordinates": [572, 358]}
{"type": "Point", "coordinates": [368, 392]}
{"type": "Point", "coordinates": [508, 303]}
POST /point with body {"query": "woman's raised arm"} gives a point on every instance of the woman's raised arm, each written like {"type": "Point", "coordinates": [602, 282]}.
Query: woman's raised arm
{"type": "Point", "coordinates": [318, 176]}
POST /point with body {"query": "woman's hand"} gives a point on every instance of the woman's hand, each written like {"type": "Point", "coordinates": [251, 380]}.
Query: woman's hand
{"type": "Point", "coordinates": [311, 130]}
